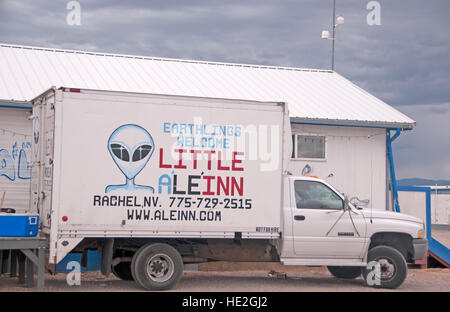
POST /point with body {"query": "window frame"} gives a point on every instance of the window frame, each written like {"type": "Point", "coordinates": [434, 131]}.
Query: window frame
{"type": "Point", "coordinates": [295, 149]}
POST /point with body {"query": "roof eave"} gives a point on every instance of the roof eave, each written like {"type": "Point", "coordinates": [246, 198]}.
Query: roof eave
{"type": "Point", "coordinates": [15, 104]}
{"type": "Point", "coordinates": [353, 123]}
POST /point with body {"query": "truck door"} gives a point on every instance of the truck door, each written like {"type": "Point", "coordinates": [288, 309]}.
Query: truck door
{"type": "Point", "coordinates": [42, 169]}
{"type": "Point", "coordinates": [321, 227]}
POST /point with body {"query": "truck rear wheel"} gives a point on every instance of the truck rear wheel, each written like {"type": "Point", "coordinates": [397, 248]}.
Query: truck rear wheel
{"type": "Point", "coordinates": [346, 272]}
{"type": "Point", "coordinates": [391, 264]}
{"type": "Point", "coordinates": [157, 266]}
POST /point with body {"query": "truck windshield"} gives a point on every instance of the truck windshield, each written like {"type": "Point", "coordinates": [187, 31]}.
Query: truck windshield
{"type": "Point", "coordinates": [315, 195]}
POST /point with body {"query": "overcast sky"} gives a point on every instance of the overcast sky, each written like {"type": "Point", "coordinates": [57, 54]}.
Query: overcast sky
{"type": "Point", "coordinates": [405, 61]}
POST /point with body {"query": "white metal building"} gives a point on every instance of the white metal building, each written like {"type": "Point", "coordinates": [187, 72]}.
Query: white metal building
{"type": "Point", "coordinates": [413, 202]}
{"type": "Point", "coordinates": [15, 149]}
{"type": "Point", "coordinates": [340, 130]}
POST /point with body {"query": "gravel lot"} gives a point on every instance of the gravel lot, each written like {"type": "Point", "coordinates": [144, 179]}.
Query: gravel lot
{"type": "Point", "coordinates": [250, 277]}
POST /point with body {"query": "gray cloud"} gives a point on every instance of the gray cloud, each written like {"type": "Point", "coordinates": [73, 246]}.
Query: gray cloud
{"type": "Point", "coordinates": [424, 152]}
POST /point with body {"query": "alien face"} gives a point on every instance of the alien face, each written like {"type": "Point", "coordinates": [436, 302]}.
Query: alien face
{"type": "Point", "coordinates": [131, 147]}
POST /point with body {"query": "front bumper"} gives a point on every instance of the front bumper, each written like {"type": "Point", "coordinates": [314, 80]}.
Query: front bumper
{"type": "Point", "coordinates": [420, 248]}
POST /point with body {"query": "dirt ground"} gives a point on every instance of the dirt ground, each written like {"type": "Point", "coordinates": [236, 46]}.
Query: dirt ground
{"type": "Point", "coordinates": [229, 277]}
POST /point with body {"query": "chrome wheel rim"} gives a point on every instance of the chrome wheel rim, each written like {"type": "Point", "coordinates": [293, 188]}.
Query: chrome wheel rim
{"type": "Point", "coordinates": [160, 268]}
{"type": "Point", "coordinates": [387, 269]}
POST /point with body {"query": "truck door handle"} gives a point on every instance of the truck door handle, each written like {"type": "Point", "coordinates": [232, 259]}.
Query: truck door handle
{"type": "Point", "coordinates": [299, 218]}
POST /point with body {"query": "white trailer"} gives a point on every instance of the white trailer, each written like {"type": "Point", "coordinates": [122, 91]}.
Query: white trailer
{"type": "Point", "coordinates": [155, 181]}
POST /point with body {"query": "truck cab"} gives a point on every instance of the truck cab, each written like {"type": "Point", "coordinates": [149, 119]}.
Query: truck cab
{"type": "Point", "coordinates": [322, 228]}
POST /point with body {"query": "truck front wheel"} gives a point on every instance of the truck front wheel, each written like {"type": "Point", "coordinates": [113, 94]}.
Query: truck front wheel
{"type": "Point", "coordinates": [157, 266]}
{"type": "Point", "coordinates": [345, 271]}
{"type": "Point", "coordinates": [386, 267]}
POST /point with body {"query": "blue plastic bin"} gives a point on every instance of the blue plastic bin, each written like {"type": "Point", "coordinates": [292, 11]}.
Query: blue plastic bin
{"type": "Point", "coordinates": [18, 224]}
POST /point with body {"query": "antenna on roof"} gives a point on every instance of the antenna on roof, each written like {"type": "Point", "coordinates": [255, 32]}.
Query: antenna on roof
{"type": "Point", "coordinates": [337, 21]}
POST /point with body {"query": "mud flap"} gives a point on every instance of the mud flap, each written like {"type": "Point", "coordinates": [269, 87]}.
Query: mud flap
{"type": "Point", "coordinates": [107, 253]}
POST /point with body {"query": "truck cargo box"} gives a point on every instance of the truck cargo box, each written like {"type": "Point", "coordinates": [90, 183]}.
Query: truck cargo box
{"type": "Point", "coordinates": [115, 164]}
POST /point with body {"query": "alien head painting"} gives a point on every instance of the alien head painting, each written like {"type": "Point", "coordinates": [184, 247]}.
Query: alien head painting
{"type": "Point", "coordinates": [130, 146]}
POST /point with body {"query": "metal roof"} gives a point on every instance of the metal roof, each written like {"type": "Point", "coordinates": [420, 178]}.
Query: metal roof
{"type": "Point", "coordinates": [313, 96]}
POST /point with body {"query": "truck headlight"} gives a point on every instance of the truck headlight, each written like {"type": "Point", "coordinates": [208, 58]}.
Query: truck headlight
{"type": "Point", "coordinates": [421, 233]}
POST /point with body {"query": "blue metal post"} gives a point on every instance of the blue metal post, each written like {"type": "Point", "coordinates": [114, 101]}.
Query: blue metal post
{"type": "Point", "coordinates": [428, 211]}
{"type": "Point", "coordinates": [389, 141]}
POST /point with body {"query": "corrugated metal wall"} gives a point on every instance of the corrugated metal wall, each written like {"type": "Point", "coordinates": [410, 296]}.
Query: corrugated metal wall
{"type": "Point", "coordinates": [413, 204]}
{"type": "Point", "coordinates": [15, 154]}
{"type": "Point", "coordinates": [356, 157]}
{"type": "Point", "coordinates": [440, 208]}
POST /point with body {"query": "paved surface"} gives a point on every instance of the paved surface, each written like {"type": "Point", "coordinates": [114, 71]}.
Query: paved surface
{"type": "Point", "coordinates": [298, 279]}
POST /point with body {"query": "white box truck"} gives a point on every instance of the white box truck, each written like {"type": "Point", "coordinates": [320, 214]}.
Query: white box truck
{"type": "Point", "coordinates": [157, 181]}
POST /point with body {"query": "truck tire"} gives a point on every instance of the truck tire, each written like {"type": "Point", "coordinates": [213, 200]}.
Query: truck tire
{"type": "Point", "coordinates": [393, 268]}
{"type": "Point", "coordinates": [157, 266]}
{"type": "Point", "coordinates": [122, 270]}
{"type": "Point", "coordinates": [346, 272]}
{"type": "Point", "coordinates": [133, 263]}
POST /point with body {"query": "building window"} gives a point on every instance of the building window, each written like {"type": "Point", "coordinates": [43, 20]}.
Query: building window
{"type": "Point", "coordinates": [308, 146]}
